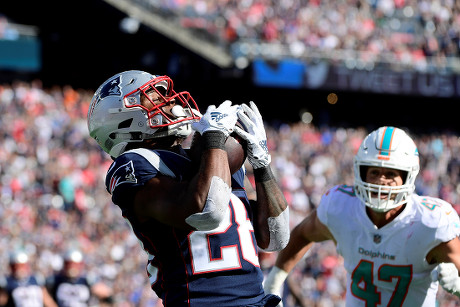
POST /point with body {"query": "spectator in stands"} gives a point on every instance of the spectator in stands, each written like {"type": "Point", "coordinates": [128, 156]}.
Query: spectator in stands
{"type": "Point", "coordinates": [417, 34]}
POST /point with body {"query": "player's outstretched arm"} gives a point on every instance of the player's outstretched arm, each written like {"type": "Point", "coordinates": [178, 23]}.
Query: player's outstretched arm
{"type": "Point", "coordinates": [303, 236]}
{"type": "Point", "coordinates": [271, 211]}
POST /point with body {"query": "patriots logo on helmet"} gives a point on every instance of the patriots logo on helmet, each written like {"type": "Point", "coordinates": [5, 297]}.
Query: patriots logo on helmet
{"type": "Point", "coordinates": [125, 173]}
{"type": "Point", "coordinates": [111, 88]}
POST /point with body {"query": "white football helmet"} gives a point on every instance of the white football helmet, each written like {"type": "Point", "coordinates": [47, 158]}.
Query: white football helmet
{"type": "Point", "coordinates": [73, 263]}
{"type": "Point", "coordinates": [387, 147]}
{"type": "Point", "coordinates": [19, 264]}
{"type": "Point", "coordinates": [73, 255]}
{"type": "Point", "coordinates": [117, 118]}
{"type": "Point", "coordinates": [18, 257]}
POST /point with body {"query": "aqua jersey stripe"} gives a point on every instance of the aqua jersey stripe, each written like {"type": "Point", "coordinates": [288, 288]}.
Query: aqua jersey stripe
{"type": "Point", "coordinates": [386, 141]}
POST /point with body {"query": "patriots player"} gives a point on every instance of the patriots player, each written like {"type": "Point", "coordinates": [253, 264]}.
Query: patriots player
{"type": "Point", "coordinates": [199, 229]}
{"type": "Point", "coordinates": [72, 287]}
{"type": "Point", "coordinates": [396, 244]}
{"type": "Point", "coordinates": [21, 288]}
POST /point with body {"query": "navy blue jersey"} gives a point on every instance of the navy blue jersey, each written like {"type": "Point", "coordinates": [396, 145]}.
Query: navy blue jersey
{"type": "Point", "coordinates": [68, 292]}
{"type": "Point", "coordinates": [191, 268]}
{"type": "Point", "coordinates": [23, 293]}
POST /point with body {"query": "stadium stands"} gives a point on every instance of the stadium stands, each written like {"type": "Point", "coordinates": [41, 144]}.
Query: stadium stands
{"type": "Point", "coordinates": [51, 191]}
{"type": "Point", "coordinates": [418, 34]}
{"type": "Point", "coordinates": [52, 196]}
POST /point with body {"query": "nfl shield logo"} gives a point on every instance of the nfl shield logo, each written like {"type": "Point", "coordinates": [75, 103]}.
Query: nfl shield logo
{"type": "Point", "coordinates": [377, 238]}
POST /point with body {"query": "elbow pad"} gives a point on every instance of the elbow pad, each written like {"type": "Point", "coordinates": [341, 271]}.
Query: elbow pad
{"type": "Point", "coordinates": [215, 208]}
{"type": "Point", "coordinates": [279, 231]}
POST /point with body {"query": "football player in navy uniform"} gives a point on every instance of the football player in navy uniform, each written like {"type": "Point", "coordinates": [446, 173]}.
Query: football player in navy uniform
{"type": "Point", "coordinates": [195, 222]}
{"type": "Point", "coordinates": [72, 287]}
{"type": "Point", "coordinates": [21, 288]}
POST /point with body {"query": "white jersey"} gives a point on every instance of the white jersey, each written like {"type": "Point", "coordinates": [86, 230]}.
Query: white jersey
{"type": "Point", "coordinates": [387, 266]}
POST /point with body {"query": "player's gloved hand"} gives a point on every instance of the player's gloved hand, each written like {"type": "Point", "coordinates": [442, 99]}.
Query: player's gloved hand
{"type": "Point", "coordinates": [274, 282]}
{"type": "Point", "coordinates": [223, 118]}
{"type": "Point", "coordinates": [254, 134]}
{"type": "Point", "coordinates": [447, 274]}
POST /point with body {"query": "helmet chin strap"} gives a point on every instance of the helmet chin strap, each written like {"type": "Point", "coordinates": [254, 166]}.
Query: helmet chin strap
{"type": "Point", "coordinates": [181, 130]}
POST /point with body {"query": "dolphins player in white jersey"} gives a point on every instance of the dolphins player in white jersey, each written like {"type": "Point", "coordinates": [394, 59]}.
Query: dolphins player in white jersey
{"type": "Point", "coordinates": [397, 246]}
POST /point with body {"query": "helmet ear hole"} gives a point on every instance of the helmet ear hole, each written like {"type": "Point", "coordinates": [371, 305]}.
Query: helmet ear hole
{"type": "Point", "coordinates": [125, 124]}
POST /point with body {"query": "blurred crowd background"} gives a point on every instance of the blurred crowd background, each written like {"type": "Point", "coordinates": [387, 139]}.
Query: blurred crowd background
{"type": "Point", "coordinates": [53, 197]}
{"type": "Point", "coordinates": [420, 34]}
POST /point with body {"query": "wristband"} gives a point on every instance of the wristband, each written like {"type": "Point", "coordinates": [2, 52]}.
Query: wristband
{"type": "Point", "coordinates": [275, 280]}
{"type": "Point", "coordinates": [263, 174]}
{"type": "Point", "coordinates": [214, 140]}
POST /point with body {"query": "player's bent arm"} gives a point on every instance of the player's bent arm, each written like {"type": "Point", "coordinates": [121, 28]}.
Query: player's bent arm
{"type": "Point", "coordinates": [271, 212]}
{"type": "Point", "coordinates": [447, 254]}
{"type": "Point", "coordinates": [172, 202]}
{"type": "Point", "coordinates": [303, 236]}
{"type": "Point", "coordinates": [206, 196]}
